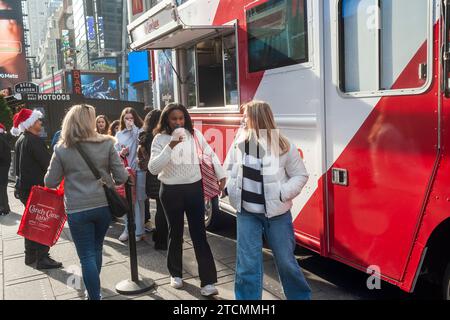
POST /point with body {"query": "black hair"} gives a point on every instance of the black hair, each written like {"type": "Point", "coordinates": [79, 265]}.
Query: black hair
{"type": "Point", "coordinates": [151, 120]}
{"type": "Point", "coordinates": [163, 125]}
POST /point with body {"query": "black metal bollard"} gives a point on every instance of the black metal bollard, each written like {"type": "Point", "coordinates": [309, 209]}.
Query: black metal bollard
{"type": "Point", "coordinates": [135, 285]}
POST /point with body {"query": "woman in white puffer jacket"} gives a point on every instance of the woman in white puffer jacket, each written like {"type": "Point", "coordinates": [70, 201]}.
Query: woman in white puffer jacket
{"type": "Point", "coordinates": [265, 173]}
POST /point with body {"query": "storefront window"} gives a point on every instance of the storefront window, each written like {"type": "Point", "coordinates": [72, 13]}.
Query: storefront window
{"type": "Point", "coordinates": [230, 68]}
{"type": "Point", "coordinates": [277, 34]}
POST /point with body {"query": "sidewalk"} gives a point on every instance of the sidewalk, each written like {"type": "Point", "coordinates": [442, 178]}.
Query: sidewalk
{"type": "Point", "coordinates": [20, 282]}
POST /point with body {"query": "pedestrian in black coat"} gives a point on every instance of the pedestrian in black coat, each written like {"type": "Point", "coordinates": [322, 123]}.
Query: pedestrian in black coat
{"type": "Point", "coordinates": [5, 162]}
{"type": "Point", "coordinates": [160, 234]}
{"type": "Point", "coordinates": [32, 161]}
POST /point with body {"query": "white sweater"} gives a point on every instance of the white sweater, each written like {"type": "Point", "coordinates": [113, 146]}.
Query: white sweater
{"type": "Point", "coordinates": [180, 165]}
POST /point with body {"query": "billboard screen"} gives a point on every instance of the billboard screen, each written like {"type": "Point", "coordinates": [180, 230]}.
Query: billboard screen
{"type": "Point", "coordinates": [138, 62]}
{"type": "Point", "coordinates": [13, 67]}
{"type": "Point", "coordinates": [104, 64]}
{"type": "Point", "coordinates": [97, 85]}
{"type": "Point", "coordinates": [90, 28]}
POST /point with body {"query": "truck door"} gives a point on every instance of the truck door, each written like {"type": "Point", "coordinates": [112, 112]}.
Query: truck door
{"type": "Point", "coordinates": [381, 127]}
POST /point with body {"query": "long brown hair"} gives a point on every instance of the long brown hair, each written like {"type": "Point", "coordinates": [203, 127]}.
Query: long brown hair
{"type": "Point", "coordinates": [113, 128]}
{"type": "Point", "coordinates": [260, 117]}
{"type": "Point", "coordinates": [163, 125]}
{"type": "Point", "coordinates": [105, 118]}
{"type": "Point", "coordinates": [151, 120]}
{"type": "Point", "coordinates": [137, 119]}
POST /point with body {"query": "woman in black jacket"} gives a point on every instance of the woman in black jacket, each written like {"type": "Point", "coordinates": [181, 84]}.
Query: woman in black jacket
{"type": "Point", "coordinates": [160, 233]}
{"type": "Point", "coordinates": [5, 162]}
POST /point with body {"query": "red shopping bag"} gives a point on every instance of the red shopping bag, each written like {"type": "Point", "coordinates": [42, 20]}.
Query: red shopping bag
{"type": "Point", "coordinates": [121, 188]}
{"type": "Point", "coordinates": [210, 183]}
{"type": "Point", "coordinates": [44, 216]}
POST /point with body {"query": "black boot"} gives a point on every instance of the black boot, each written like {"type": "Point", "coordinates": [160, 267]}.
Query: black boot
{"type": "Point", "coordinates": [30, 258]}
{"type": "Point", "coordinates": [48, 263]}
{"type": "Point", "coordinates": [30, 253]}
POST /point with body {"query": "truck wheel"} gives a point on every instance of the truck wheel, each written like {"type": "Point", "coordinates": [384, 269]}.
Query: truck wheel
{"type": "Point", "coordinates": [212, 214]}
{"type": "Point", "coordinates": [446, 283]}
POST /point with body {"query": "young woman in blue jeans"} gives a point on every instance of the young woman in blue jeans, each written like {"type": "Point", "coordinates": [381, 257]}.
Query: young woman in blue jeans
{"type": "Point", "coordinates": [265, 173]}
{"type": "Point", "coordinates": [85, 202]}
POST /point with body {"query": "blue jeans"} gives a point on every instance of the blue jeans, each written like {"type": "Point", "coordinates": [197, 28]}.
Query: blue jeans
{"type": "Point", "coordinates": [139, 218]}
{"type": "Point", "coordinates": [279, 233]}
{"type": "Point", "coordinates": [88, 229]}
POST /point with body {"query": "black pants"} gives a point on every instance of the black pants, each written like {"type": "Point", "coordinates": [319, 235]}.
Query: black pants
{"type": "Point", "coordinates": [161, 232]}
{"type": "Point", "coordinates": [31, 247]}
{"type": "Point", "coordinates": [147, 210]}
{"type": "Point", "coordinates": [4, 203]}
{"type": "Point", "coordinates": [177, 199]}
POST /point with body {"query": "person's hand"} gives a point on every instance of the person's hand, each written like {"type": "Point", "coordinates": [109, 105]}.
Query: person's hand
{"type": "Point", "coordinates": [222, 184]}
{"type": "Point", "coordinates": [178, 136]}
{"type": "Point", "coordinates": [124, 152]}
{"type": "Point", "coordinates": [179, 133]}
{"type": "Point", "coordinates": [129, 124]}
{"type": "Point", "coordinates": [174, 143]}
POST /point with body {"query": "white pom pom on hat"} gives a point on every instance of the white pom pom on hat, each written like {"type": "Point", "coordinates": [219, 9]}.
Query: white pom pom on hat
{"type": "Point", "coordinates": [23, 120]}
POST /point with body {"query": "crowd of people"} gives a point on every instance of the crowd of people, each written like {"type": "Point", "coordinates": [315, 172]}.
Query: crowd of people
{"type": "Point", "coordinates": [262, 174]}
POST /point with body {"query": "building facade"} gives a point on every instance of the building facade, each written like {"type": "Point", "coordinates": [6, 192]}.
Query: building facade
{"type": "Point", "coordinates": [50, 53]}
{"type": "Point", "coordinates": [37, 21]}
{"type": "Point", "coordinates": [98, 29]}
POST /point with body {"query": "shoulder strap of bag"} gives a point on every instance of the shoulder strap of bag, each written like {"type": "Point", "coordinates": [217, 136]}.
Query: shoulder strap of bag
{"type": "Point", "coordinates": [88, 162]}
{"type": "Point", "coordinates": [200, 150]}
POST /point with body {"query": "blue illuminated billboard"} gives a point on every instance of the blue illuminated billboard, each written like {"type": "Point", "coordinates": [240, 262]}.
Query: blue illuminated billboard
{"type": "Point", "coordinates": [138, 62]}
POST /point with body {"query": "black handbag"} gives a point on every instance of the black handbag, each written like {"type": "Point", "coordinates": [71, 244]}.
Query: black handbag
{"type": "Point", "coordinates": [118, 205]}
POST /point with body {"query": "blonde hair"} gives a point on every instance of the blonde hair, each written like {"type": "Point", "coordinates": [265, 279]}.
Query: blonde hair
{"type": "Point", "coordinates": [78, 125]}
{"type": "Point", "coordinates": [260, 117]}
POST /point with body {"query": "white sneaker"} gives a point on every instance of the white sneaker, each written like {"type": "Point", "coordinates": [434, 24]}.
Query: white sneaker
{"type": "Point", "coordinates": [149, 227]}
{"type": "Point", "coordinates": [176, 282]}
{"type": "Point", "coordinates": [209, 290]}
{"type": "Point", "coordinates": [124, 236]}
{"type": "Point", "coordinates": [139, 238]}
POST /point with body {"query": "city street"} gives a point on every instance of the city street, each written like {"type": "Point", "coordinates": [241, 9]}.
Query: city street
{"type": "Point", "coordinates": [333, 111]}
{"type": "Point", "coordinates": [328, 279]}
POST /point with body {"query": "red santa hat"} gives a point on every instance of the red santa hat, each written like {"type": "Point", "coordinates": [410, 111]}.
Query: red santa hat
{"type": "Point", "coordinates": [2, 128]}
{"type": "Point", "coordinates": [23, 120]}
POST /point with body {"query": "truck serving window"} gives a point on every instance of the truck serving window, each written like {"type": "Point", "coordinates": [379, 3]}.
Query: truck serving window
{"type": "Point", "coordinates": [277, 34]}
{"type": "Point", "coordinates": [379, 41]}
{"type": "Point", "coordinates": [211, 73]}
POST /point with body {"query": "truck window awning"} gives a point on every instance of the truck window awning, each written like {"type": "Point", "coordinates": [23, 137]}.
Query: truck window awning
{"type": "Point", "coordinates": [182, 36]}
